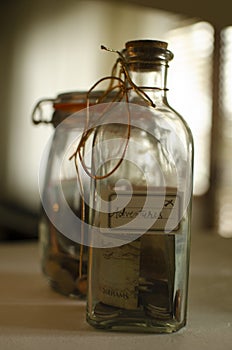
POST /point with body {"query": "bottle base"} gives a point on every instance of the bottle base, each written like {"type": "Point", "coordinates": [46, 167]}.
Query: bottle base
{"type": "Point", "coordinates": [62, 275]}
{"type": "Point", "coordinates": [136, 326]}
{"type": "Point", "coordinates": [67, 291]}
{"type": "Point", "coordinates": [136, 322]}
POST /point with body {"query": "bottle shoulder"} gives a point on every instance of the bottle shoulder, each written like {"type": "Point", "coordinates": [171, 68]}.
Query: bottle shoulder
{"type": "Point", "coordinates": [175, 119]}
{"type": "Point", "coordinates": [160, 120]}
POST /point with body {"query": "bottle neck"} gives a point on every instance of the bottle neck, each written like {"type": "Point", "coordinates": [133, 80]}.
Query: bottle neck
{"type": "Point", "coordinates": [152, 81]}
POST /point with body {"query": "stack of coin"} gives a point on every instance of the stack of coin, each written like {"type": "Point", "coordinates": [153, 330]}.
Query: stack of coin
{"type": "Point", "coordinates": [105, 311]}
{"type": "Point", "coordinates": [156, 300]}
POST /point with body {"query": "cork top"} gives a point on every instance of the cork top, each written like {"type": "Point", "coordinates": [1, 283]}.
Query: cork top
{"type": "Point", "coordinates": [147, 51]}
{"type": "Point", "coordinates": [147, 44]}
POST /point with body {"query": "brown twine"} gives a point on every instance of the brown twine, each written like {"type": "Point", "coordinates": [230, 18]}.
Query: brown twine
{"type": "Point", "coordinates": [120, 75]}
{"type": "Point", "coordinates": [118, 80]}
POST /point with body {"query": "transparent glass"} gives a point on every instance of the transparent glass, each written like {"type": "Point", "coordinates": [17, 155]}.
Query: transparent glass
{"type": "Point", "coordinates": [142, 285]}
{"type": "Point", "coordinates": [59, 247]}
{"type": "Point", "coordinates": [63, 261]}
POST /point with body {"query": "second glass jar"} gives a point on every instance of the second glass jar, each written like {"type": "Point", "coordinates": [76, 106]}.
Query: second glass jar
{"type": "Point", "coordinates": [59, 249]}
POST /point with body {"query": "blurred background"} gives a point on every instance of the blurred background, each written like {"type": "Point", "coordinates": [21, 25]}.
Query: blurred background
{"type": "Point", "coordinates": [51, 47]}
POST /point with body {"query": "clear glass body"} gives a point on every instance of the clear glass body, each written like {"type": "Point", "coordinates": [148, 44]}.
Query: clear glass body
{"type": "Point", "coordinates": [59, 248]}
{"type": "Point", "coordinates": [143, 285]}
{"type": "Point", "coordinates": [60, 234]}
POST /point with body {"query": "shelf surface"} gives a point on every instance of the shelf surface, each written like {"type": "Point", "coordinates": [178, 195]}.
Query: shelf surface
{"type": "Point", "coordinates": [32, 316]}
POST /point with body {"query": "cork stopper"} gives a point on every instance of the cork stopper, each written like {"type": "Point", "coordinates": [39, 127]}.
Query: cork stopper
{"type": "Point", "coordinates": [147, 51]}
{"type": "Point", "coordinates": [147, 44]}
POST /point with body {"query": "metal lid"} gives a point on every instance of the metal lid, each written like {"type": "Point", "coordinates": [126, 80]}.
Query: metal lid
{"type": "Point", "coordinates": [78, 96]}
{"type": "Point", "coordinates": [65, 104]}
{"type": "Point", "coordinates": [70, 102]}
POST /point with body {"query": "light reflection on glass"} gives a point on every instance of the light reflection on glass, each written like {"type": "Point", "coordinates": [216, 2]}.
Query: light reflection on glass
{"type": "Point", "coordinates": [190, 90]}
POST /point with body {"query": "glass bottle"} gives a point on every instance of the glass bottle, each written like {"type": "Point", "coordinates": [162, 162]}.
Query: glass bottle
{"type": "Point", "coordinates": [59, 241]}
{"type": "Point", "coordinates": [142, 284]}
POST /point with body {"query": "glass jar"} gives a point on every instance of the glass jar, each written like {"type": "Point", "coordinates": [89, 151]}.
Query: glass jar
{"type": "Point", "coordinates": [139, 258]}
{"type": "Point", "coordinates": [59, 240]}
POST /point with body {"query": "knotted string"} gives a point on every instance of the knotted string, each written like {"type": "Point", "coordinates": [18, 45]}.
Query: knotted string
{"type": "Point", "coordinates": [118, 80]}
{"type": "Point", "coordinates": [120, 83]}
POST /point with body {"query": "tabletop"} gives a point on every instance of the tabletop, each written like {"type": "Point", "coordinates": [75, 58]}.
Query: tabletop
{"type": "Point", "coordinates": [32, 316]}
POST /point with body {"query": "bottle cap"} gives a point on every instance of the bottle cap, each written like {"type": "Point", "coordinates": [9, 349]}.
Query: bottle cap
{"type": "Point", "coordinates": [147, 51]}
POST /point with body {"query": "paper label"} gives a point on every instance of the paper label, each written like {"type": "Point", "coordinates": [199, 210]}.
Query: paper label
{"type": "Point", "coordinates": [118, 275]}
{"type": "Point", "coordinates": [143, 212]}
{"type": "Point", "coordinates": [119, 268]}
